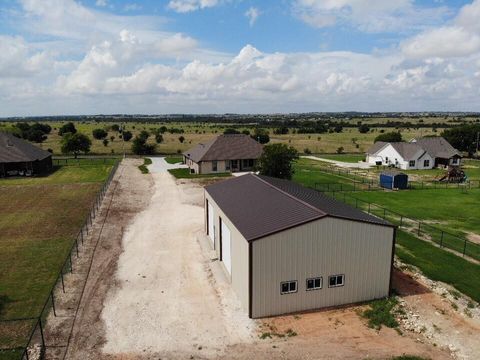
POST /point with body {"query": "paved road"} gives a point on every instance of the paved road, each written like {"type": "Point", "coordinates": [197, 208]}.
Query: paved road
{"type": "Point", "coordinates": [159, 165]}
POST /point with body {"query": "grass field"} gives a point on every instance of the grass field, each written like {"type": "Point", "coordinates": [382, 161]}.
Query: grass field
{"type": "Point", "coordinates": [39, 219]}
{"type": "Point", "coordinates": [349, 158]}
{"type": "Point", "coordinates": [451, 210]}
{"type": "Point", "coordinates": [350, 139]}
{"type": "Point", "coordinates": [440, 265]}
{"type": "Point", "coordinates": [174, 159]}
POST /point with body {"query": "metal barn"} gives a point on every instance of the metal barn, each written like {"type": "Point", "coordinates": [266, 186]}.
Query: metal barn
{"type": "Point", "coordinates": [286, 248]}
{"type": "Point", "coordinates": [394, 180]}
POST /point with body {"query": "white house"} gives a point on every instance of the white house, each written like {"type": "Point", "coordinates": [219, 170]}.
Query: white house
{"type": "Point", "coordinates": [424, 153]}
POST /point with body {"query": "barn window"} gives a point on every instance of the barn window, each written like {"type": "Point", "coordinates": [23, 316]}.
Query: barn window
{"type": "Point", "coordinates": [314, 284]}
{"type": "Point", "coordinates": [412, 163]}
{"type": "Point", "coordinates": [426, 163]}
{"type": "Point", "coordinates": [288, 287]}
{"type": "Point", "coordinates": [336, 280]}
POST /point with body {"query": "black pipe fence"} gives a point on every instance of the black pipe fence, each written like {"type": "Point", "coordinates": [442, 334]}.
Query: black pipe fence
{"type": "Point", "coordinates": [442, 238]}
{"type": "Point", "coordinates": [33, 329]}
{"type": "Point", "coordinates": [84, 161]}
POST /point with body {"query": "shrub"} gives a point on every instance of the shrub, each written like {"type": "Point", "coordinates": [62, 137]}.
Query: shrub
{"type": "Point", "coordinates": [67, 128]}
{"type": "Point", "coordinates": [99, 134]}
{"type": "Point", "coordinates": [127, 135]}
{"type": "Point", "coordinates": [307, 151]}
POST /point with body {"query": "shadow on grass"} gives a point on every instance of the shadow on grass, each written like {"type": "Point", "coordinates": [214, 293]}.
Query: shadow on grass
{"type": "Point", "coordinates": [4, 300]}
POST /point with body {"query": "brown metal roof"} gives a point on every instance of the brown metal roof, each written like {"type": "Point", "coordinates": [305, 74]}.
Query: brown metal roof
{"type": "Point", "coordinates": [260, 205]}
{"type": "Point", "coordinates": [226, 147]}
{"type": "Point", "coordinates": [437, 147]}
{"type": "Point", "coordinates": [13, 149]}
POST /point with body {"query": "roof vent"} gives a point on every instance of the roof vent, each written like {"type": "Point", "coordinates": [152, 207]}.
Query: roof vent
{"type": "Point", "coordinates": [9, 143]}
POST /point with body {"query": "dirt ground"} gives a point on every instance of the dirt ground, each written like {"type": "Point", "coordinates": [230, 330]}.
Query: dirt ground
{"type": "Point", "coordinates": [157, 292]}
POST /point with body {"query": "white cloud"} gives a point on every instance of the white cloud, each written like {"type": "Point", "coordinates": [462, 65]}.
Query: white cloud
{"type": "Point", "coordinates": [460, 39]}
{"type": "Point", "coordinates": [132, 7]}
{"type": "Point", "coordinates": [184, 6]}
{"type": "Point", "coordinates": [101, 3]}
{"type": "Point", "coordinates": [368, 15]}
{"type": "Point", "coordinates": [252, 14]}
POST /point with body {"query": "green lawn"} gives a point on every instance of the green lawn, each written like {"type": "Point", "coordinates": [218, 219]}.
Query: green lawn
{"type": "Point", "coordinates": [185, 174]}
{"type": "Point", "coordinates": [311, 172]}
{"type": "Point", "coordinates": [174, 159]}
{"type": "Point", "coordinates": [64, 175]}
{"type": "Point", "coordinates": [451, 210]}
{"type": "Point", "coordinates": [440, 265]}
{"type": "Point", "coordinates": [39, 219]}
{"type": "Point", "coordinates": [349, 158]}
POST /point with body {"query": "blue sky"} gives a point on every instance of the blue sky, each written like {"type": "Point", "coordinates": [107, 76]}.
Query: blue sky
{"type": "Point", "coordinates": [211, 56]}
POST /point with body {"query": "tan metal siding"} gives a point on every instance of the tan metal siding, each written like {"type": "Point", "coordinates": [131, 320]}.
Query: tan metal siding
{"type": "Point", "coordinates": [325, 247]}
{"type": "Point", "coordinates": [239, 255]}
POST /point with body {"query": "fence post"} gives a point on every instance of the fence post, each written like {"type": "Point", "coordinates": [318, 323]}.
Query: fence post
{"type": "Point", "coordinates": [76, 245]}
{"type": "Point", "coordinates": [384, 213]}
{"type": "Point", "coordinates": [369, 205]}
{"type": "Point", "coordinates": [71, 264]}
{"type": "Point", "coordinates": [401, 220]}
{"type": "Point", "coordinates": [41, 331]}
{"type": "Point", "coordinates": [53, 304]}
{"type": "Point", "coordinates": [441, 240]}
{"type": "Point", "coordinates": [419, 224]}
{"type": "Point", "coordinates": [464, 247]}
{"type": "Point", "coordinates": [63, 284]}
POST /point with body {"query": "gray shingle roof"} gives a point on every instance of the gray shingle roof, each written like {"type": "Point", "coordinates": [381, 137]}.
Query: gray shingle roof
{"type": "Point", "coordinates": [437, 147]}
{"type": "Point", "coordinates": [376, 147]}
{"type": "Point", "coordinates": [261, 205]}
{"type": "Point", "coordinates": [13, 149]}
{"type": "Point", "coordinates": [408, 150]}
{"type": "Point", "coordinates": [226, 147]}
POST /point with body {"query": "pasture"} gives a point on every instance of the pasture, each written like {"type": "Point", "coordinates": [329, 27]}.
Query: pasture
{"type": "Point", "coordinates": [39, 219]}
{"type": "Point", "coordinates": [350, 139]}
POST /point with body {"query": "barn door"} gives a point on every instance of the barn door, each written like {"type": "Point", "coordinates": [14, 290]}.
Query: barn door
{"type": "Point", "coordinates": [211, 224]}
{"type": "Point", "coordinates": [225, 238]}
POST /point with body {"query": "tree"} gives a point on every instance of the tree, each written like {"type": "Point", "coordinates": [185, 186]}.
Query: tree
{"type": "Point", "coordinates": [112, 138]}
{"type": "Point", "coordinates": [162, 129]}
{"type": "Point", "coordinates": [231, 131]}
{"type": "Point", "coordinates": [127, 135]}
{"type": "Point", "coordinates": [67, 128]}
{"type": "Point", "coordinates": [158, 138]}
{"type": "Point", "coordinates": [281, 130]}
{"type": "Point", "coordinates": [75, 144]}
{"type": "Point", "coordinates": [394, 136]}
{"type": "Point", "coordinates": [338, 128]}
{"type": "Point", "coordinates": [246, 132]}
{"type": "Point", "coordinates": [99, 134]}
{"type": "Point", "coordinates": [105, 142]}
{"type": "Point", "coordinates": [463, 138]}
{"type": "Point", "coordinates": [144, 135]}
{"type": "Point", "coordinates": [115, 127]}
{"type": "Point", "coordinates": [140, 146]}
{"type": "Point", "coordinates": [340, 150]}
{"type": "Point", "coordinates": [363, 128]}
{"type": "Point", "coordinates": [181, 139]}
{"type": "Point", "coordinates": [261, 135]}
{"type": "Point", "coordinates": [277, 161]}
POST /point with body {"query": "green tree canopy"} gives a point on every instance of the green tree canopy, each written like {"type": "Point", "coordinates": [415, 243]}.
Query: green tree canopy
{"type": "Point", "coordinates": [363, 128]}
{"type": "Point", "coordinates": [261, 135]}
{"type": "Point", "coordinates": [230, 131]}
{"type": "Point", "coordinates": [127, 135]}
{"type": "Point", "coordinates": [277, 161]}
{"type": "Point", "coordinates": [99, 134]}
{"type": "Point", "coordinates": [394, 136]}
{"type": "Point", "coordinates": [75, 144]}
{"type": "Point", "coordinates": [463, 138]}
{"type": "Point", "coordinates": [67, 128]}
{"type": "Point", "coordinates": [140, 146]}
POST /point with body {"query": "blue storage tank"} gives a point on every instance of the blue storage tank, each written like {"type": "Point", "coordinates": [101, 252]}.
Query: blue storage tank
{"type": "Point", "coordinates": [393, 180]}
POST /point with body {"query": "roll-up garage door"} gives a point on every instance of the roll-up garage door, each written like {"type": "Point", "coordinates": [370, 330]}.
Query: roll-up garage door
{"type": "Point", "coordinates": [226, 247]}
{"type": "Point", "coordinates": [211, 224]}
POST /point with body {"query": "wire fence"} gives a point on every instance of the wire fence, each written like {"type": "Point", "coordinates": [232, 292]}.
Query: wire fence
{"type": "Point", "coordinates": [15, 331]}
{"type": "Point", "coordinates": [442, 238]}
{"type": "Point", "coordinates": [83, 161]}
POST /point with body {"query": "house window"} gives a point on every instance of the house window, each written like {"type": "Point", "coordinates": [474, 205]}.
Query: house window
{"type": "Point", "coordinates": [314, 284]}
{"type": "Point", "coordinates": [454, 161]}
{"type": "Point", "coordinates": [245, 163]}
{"type": "Point", "coordinates": [426, 163]}
{"type": "Point", "coordinates": [214, 166]}
{"type": "Point", "coordinates": [227, 165]}
{"type": "Point", "coordinates": [412, 163]}
{"type": "Point", "coordinates": [386, 159]}
{"type": "Point", "coordinates": [288, 287]}
{"type": "Point", "coordinates": [250, 163]}
{"type": "Point", "coordinates": [336, 280]}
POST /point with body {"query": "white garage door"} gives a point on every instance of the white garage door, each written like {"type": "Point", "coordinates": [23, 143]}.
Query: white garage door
{"type": "Point", "coordinates": [226, 247]}
{"type": "Point", "coordinates": [211, 224]}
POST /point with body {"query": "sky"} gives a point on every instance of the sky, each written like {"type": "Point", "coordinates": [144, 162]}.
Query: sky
{"type": "Point", "coordinates": [66, 57]}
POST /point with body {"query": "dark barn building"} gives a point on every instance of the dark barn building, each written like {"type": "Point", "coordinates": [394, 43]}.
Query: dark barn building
{"type": "Point", "coordinates": [19, 157]}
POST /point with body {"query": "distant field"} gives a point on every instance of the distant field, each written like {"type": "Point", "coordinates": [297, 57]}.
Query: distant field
{"type": "Point", "coordinates": [350, 139]}
{"type": "Point", "coordinates": [39, 219]}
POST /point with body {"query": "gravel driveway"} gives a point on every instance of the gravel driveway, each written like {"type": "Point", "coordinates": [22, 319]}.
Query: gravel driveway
{"type": "Point", "coordinates": [172, 300]}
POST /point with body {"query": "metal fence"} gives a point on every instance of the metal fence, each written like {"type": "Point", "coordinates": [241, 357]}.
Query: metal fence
{"type": "Point", "coordinates": [83, 161]}
{"type": "Point", "coordinates": [33, 329]}
{"type": "Point", "coordinates": [441, 237]}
